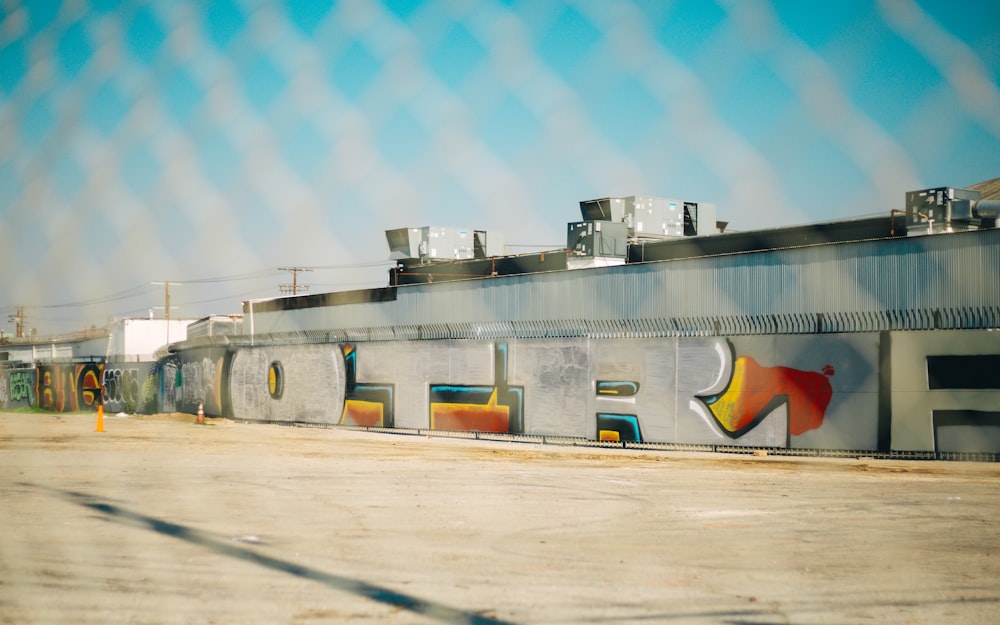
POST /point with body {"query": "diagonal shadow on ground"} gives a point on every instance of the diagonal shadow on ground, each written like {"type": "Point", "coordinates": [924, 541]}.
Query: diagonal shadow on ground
{"type": "Point", "coordinates": [127, 517]}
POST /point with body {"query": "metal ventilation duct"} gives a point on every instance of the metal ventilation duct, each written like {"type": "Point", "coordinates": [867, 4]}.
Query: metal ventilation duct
{"type": "Point", "coordinates": [986, 209]}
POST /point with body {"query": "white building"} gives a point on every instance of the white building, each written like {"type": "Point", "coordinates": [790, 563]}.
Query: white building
{"type": "Point", "coordinates": [125, 340]}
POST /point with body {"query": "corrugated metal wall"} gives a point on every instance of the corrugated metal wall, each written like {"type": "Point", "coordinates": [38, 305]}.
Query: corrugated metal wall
{"type": "Point", "coordinates": [941, 281]}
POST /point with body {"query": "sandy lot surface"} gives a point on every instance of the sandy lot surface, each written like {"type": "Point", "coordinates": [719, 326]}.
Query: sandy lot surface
{"type": "Point", "coordinates": [160, 520]}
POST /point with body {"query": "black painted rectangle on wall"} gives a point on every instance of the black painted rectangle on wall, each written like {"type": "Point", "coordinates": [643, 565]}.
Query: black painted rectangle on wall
{"type": "Point", "coordinates": [963, 372]}
{"type": "Point", "coordinates": [970, 431]}
{"type": "Point", "coordinates": [884, 391]}
{"type": "Point", "coordinates": [976, 418]}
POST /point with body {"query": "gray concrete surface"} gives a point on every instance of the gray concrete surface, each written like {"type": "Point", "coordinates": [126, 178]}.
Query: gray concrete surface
{"type": "Point", "coordinates": [160, 520]}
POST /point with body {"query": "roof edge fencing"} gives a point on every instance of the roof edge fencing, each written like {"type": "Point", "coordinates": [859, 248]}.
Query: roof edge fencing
{"type": "Point", "coordinates": [807, 323]}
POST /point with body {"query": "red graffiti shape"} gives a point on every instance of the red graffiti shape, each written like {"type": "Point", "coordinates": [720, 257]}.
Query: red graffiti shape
{"type": "Point", "coordinates": [809, 396]}
{"type": "Point", "coordinates": [754, 391]}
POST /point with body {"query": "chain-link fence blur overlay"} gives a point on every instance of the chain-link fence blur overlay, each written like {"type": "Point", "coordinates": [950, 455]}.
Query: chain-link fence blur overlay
{"type": "Point", "coordinates": [208, 144]}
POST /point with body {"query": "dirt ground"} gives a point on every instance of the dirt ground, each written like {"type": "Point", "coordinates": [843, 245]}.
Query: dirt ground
{"type": "Point", "coordinates": [160, 520]}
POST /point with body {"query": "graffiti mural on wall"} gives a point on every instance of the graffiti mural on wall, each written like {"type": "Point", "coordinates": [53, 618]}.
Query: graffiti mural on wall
{"type": "Point", "coordinates": [171, 388]}
{"type": "Point", "coordinates": [813, 392]}
{"type": "Point", "coordinates": [17, 387]}
{"type": "Point", "coordinates": [732, 394]}
{"type": "Point", "coordinates": [22, 386]}
{"type": "Point", "coordinates": [283, 383]}
{"type": "Point", "coordinates": [367, 404]}
{"type": "Point", "coordinates": [656, 390]}
{"type": "Point", "coordinates": [188, 379]}
{"type": "Point", "coordinates": [121, 388]}
{"type": "Point", "coordinates": [754, 391]}
{"type": "Point", "coordinates": [69, 387]}
{"type": "Point", "coordinates": [617, 427]}
{"type": "Point", "coordinates": [495, 408]}
{"type": "Point", "coordinates": [200, 382]}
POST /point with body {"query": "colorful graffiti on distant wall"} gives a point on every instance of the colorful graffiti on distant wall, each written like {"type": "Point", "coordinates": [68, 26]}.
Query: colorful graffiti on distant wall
{"type": "Point", "coordinates": [193, 378]}
{"type": "Point", "coordinates": [201, 381]}
{"type": "Point", "coordinates": [69, 387]}
{"type": "Point", "coordinates": [121, 388]}
{"type": "Point", "coordinates": [613, 426]}
{"type": "Point", "coordinates": [367, 404]}
{"type": "Point", "coordinates": [618, 427]}
{"type": "Point", "coordinates": [492, 408]}
{"type": "Point", "coordinates": [879, 391]}
{"type": "Point", "coordinates": [17, 388]}
{"type": "Point", "coordinates": [751, 393]}
{"type": "Point", "coordinates": [754, 391]}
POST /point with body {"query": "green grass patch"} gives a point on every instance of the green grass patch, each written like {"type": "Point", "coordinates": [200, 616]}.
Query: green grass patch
{"type": "Point", "coordinates": [28, 409]}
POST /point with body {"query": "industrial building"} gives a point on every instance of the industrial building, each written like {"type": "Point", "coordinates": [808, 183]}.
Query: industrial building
{"type": "Point", "coordinates": [656, 324]}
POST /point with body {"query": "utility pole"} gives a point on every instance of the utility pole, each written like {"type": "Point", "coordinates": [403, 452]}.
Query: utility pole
{"type": "Point", "coordinates": [166, 296]}
{"type": "Point", "coordinates": [166, 302]}
{"type": "Point", "coordinates": [18, 320]}
{"type": "Point", "coordinates": [294, 287]}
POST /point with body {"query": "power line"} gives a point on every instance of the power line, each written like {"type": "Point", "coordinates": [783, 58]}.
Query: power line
{"type": "Point", "coordinates": [106, 299]}
{"type": "Point", "coordinates": [144, 290]}
{"type": "Point", "coordinates": [252, 275]}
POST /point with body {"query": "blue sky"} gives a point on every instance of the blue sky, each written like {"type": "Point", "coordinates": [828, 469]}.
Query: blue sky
{"type": "Point", "coordinates": [209, 143]}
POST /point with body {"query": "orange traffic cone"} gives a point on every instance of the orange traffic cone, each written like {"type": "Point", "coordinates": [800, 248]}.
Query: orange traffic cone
{"type": "Point", "coordinates": [100, 418]}
{"type": "Point", "coordinates": [201, 413]}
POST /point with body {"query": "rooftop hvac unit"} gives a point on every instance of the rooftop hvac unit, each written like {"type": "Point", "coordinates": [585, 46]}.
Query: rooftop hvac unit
{"type": "Point", "coordinates": [604, 209]}
{"type": "Point", "coordinates": [596, 244]}
{"type": "Point", "coordinates": [653, 218]}
{"type": "Point", "coordinates": [488, 244]}
{"type": "Point", "coordinates": [215, 325]}
{"type": "Point", "coordinates": [945, 209]}
{"type": "Point", "coordinates": [440, 244]}
{"type": "Point", "coordinates": [404, 243]}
